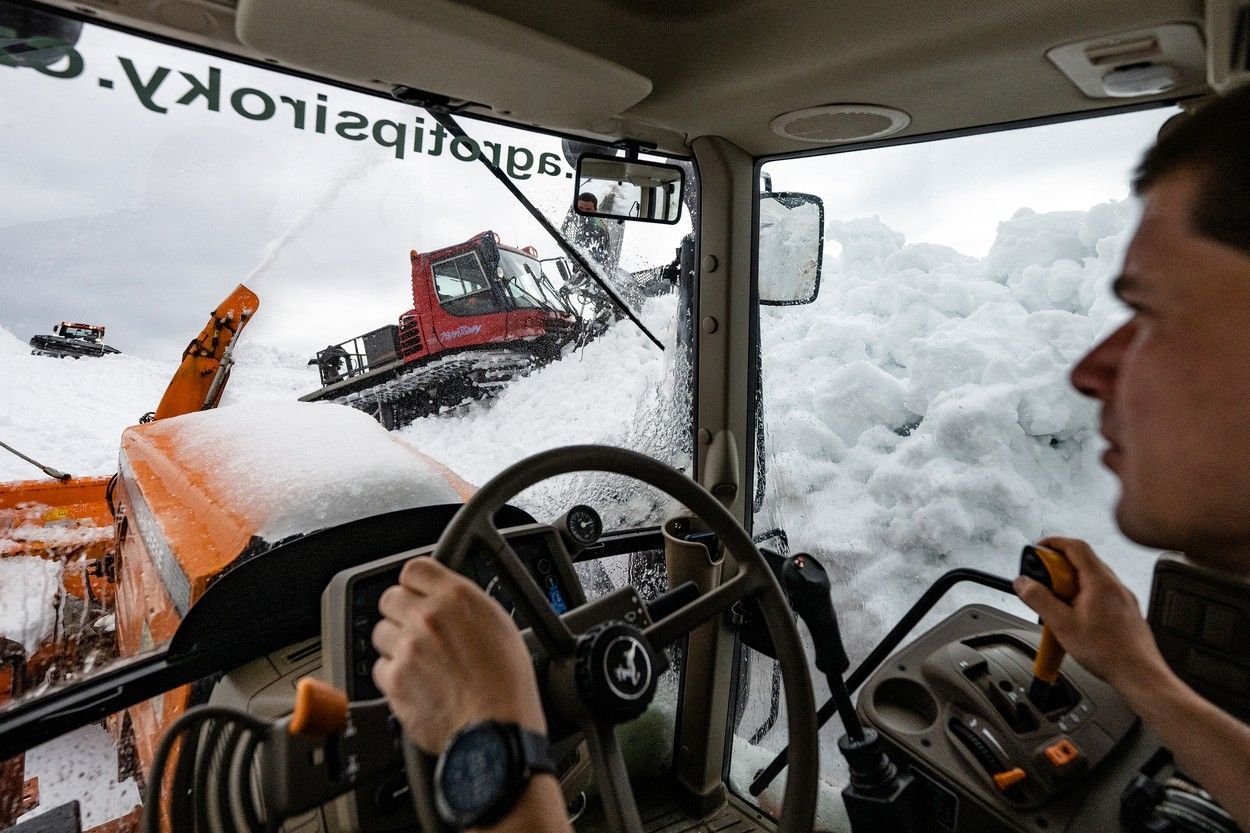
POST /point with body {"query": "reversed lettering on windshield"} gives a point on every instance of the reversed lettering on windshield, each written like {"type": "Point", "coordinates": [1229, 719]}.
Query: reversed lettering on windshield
{"type": "Point", "coordinates": [158, 88]}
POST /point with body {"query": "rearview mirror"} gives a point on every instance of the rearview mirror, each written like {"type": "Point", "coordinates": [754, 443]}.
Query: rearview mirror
{"type": "Point", "coordinates": [791, 248]}
{"type": "Point", "coordinates": [627, 189]}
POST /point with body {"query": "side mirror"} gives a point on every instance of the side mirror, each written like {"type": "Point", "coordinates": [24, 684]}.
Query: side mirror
{"type": "Point", "coordinates": [627, 189]}
{"type": "Point", "coordinates": [791, 248]}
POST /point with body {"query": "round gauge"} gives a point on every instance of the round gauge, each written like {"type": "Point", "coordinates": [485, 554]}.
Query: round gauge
{"type": "Point", "coordinates": [494, 589]}
{"type": "Point", "coordinates": [584, 525]}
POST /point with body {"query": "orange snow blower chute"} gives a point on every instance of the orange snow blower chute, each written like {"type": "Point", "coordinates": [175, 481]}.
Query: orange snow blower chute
{"type": "Point", "coordinates": [200, 379]}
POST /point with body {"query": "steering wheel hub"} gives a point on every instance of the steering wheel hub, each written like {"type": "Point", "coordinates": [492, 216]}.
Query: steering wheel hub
{"type": "Point", "coordinates": [616, 671]}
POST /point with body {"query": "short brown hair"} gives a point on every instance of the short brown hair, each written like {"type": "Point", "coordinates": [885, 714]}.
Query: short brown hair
{"type": "Point", "coordinates": [1213, 142]}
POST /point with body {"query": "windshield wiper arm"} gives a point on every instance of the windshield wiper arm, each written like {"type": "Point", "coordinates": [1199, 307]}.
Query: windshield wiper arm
{"type": "Point", "coordinates": [444, 117]}
{"type": "Point", "coordinates": [48, 470]}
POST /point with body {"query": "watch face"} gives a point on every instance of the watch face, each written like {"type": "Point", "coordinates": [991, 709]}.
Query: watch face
{"type": "Point", "coordinates": [474, 772]}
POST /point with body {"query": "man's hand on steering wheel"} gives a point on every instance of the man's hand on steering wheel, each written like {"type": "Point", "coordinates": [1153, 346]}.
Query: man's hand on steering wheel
{"type": "Point", "coordinates": [451, 657]}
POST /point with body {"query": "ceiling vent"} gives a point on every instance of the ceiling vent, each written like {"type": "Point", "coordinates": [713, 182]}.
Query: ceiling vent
{"type": "Point", "coordinates": [839, 123]}
{"type": "Point", "coordinates": [1170, 58]}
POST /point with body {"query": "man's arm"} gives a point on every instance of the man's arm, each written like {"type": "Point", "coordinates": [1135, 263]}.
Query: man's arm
{"type": "Point", "coordinates": [1211, 746]}
{"type": "Point", "coordinates": [451, 657]}
{"type": "Point", "coordinates": [1103, 629]}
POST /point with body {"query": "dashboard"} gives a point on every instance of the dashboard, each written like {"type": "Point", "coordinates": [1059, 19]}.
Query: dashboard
{"type": "Point", "coordinates": [353, 598]}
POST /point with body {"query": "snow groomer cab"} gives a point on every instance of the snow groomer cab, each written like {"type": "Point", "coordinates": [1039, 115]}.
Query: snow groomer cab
{"type": "Point", "coordinates": [759, 533]}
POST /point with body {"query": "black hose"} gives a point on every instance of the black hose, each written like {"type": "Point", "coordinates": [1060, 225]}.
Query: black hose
{"type": "Point", "coordinates": [205, 766]}
{"type": "Point", "coordinates": [182, 799]}
{"type": "Point", "coordinates": [186, 728]}
{"type": "Point", "coordinates": [248, 798]}
{"type": "Point", "coordinates": [224, 770]}
{"type": "Point", "coordinates": [774, 707]}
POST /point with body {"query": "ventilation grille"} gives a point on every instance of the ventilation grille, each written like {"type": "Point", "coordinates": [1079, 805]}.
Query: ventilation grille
{"type": "Point", "coordinates": [840, 123]}
{"type": "Point", "coordinates": [308, 651]}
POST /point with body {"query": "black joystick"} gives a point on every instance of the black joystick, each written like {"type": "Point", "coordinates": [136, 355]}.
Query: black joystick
{"type": "Point", "coordinates": [878, 797]}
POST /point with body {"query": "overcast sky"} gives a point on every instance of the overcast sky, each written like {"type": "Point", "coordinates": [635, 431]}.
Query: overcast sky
{"type": "Point", "coordinates": [113, 213]}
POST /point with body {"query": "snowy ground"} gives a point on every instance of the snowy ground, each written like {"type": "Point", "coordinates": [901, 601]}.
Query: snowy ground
{"type": "Point", "coordinates": [918, 413]}
{"type": "Point", "coordinates": [919, 418]}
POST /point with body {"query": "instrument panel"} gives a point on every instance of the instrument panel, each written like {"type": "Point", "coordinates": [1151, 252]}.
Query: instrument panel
{"type": "Point", "coordinates": [353, 598]}
{"type": "Point", "coordinates": [349, 612]}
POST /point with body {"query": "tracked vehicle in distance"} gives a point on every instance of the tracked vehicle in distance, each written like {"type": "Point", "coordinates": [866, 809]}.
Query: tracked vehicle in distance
{"type": "Point", "coordinates": [71, 340]}
{"type": "Point", "coordinates": [483, 313]}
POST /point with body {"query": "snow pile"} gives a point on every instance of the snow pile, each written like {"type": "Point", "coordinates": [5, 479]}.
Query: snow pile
{"type": "Point", "coordinates": [618, 390]}
{"type": "Point", "coordinates": [70, 414]}
{"type": "Point", "coordinates": [11, 344]}
{"type": "Point", "coordinates": [28, 592]}
{"type": "Point", "coordinates": [296, 467]}
{"type": "Point", "coordinates": [58, 538]}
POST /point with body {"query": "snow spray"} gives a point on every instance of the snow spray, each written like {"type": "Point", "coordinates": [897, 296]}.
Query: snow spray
{"type": "Point", "coordinates": [304, 219]}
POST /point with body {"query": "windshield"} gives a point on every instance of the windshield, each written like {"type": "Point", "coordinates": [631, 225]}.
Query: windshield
{"type": "Point", "coordinates": [917, 415]}
{"type": "Point", "coordinates": [529, 285]}
{"type": "Point", "coordinates": [382, 368]}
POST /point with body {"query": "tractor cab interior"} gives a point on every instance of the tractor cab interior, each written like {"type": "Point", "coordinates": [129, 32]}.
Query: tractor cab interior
{"type": "Point", "coordinates": [757, 520]}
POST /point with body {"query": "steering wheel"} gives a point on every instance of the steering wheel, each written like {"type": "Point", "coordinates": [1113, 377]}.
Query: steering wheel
{"type": "Point", "coordinates": [579, 687]}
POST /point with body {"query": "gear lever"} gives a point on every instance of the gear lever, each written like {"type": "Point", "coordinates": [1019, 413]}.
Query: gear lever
{"type": "Point", "coordinates": [878, 797]}
{"type": "Point", "coordinates": [1052, 569]}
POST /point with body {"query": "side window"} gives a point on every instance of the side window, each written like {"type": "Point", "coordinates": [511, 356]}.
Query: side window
{"type": "Point", "coordinates": [917, 414]}
{"type": "Point", "coordinates": [462, 286]}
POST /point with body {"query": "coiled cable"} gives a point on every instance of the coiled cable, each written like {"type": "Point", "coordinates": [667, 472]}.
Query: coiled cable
{"type": "Point", "coordinates": [212, 789]}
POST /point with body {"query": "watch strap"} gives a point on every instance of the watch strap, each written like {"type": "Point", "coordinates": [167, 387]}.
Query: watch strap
{"type": "Point", "coordinates": [529, 754]}
{"type": "Point", "coordinates": [536, 753]}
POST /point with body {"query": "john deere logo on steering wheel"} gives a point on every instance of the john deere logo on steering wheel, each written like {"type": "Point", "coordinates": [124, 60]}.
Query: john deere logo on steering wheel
{"type": "Point", "coordinates": [627, 666]}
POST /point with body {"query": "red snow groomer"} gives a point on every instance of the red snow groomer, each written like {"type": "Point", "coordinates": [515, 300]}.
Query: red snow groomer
{"type": "Point", "coordinates": [483, 313]}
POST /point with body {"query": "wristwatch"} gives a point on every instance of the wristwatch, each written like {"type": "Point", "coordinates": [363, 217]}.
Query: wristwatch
{"type": "Point", "coordinates": [484, 770]}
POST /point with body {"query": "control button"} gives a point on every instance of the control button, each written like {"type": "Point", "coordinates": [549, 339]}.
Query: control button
{"type": "Point", "coordinates": [1008, 779]}
{"type": "Point", "coordinates": [1062, 753]}
{"type": "Point", "coordinates": [364, 670]}
{"type": "Point", "coordinates": [558, 604]}
{"type": "Point", "coordinates": [1182, 612]}
{"type": "Point", "coordinates": [544, 566]}
{"type": "Point", "coordinates": [1220, 626]}
{"type": "Point", "coordinates": [362, 622]}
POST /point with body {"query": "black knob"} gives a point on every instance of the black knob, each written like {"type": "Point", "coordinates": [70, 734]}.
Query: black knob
{"type": "Point", "coordinates": [807, 585]}
{"type": "Point", "coordinates": [615, 672]}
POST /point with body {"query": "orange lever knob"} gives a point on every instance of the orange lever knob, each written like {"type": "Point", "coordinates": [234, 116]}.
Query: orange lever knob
{"type": "Point", "coordinates": [320, 708]}
{"type": "Point", "coordinates": [1052, 569]}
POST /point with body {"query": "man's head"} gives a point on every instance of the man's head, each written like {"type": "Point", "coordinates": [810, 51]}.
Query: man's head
{"type": "Point", "coordinates": [587, 202]}
{"type": "Point", "coordinates": [1174, 381]}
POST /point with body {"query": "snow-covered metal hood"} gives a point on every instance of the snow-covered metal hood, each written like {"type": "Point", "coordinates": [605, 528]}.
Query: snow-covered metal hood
{"type": "Point", "coordinates": [204, 488]}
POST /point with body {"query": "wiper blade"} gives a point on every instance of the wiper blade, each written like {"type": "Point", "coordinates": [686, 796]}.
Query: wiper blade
{"type": "Point", "coordinates": [444, 117]}
{"type": "Point", "coordinates": [48, 470]}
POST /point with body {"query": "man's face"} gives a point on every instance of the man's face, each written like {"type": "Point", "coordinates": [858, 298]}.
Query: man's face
{"type": "Point", "coordinates": [587, 206]}
{"type": "Point", "coordinates": [1174, 383]}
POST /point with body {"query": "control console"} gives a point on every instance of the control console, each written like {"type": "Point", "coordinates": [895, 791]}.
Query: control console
{"type": "Point", "coordinates": [955, 706]}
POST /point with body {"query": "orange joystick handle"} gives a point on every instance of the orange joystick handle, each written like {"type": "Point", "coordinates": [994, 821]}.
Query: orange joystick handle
{"type": "Point", "coordinates": [1051, 568]}
{"type": "Point", "coordinates": [320, 709]}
